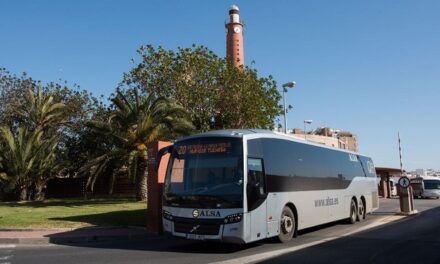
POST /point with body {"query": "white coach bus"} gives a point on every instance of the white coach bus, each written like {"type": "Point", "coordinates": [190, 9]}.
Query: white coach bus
{"type": "Point", "coordinates": [241, 186]}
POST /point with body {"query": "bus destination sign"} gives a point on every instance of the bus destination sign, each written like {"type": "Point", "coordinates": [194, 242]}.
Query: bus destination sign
{"type": "Point", "coordinates": [204, 148]}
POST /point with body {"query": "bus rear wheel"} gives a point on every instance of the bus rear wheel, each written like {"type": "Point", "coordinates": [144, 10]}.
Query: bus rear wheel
{"type": "Point", "coordinates": [361, 211]}
{"type": "Point", "coordinates": [287, 225]}
{"type": "Point", "coordinates": [353, 212]}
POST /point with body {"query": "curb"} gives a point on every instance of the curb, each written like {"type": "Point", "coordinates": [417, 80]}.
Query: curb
{"type": "Point", "coordinates": [91, 235]}
{"type": "Point", "coordinates": [35, 229]}
{"type": "Point", "coordinates": [72, 228]}
{"type": "Point", "coordinates": [73, 239]}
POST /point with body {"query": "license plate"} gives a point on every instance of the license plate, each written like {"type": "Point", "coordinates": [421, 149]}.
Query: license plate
{"type": "Point", "coordinates": [194, 236]}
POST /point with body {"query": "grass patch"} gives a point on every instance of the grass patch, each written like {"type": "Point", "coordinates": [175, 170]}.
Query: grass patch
{"type": "Point", "coordinates": [73, 213]}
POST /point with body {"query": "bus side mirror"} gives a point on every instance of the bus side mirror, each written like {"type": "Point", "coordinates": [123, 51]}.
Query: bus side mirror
{"type": "Point", "coordinates": [159, 155]}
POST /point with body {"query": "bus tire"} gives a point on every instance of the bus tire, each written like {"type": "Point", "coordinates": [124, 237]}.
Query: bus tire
{"type": "Point", "coordinates": [361, 210]}
{"type": "Point", "coordinates": [287, 225]}
{"type": "Point", "coordinates": [353, 212]}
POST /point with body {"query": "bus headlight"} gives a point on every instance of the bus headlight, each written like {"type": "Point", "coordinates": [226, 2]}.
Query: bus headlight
{"type": "Point", "coordinates": [167, 215]}
{"type": "Point", "coordinates": [233, 218]}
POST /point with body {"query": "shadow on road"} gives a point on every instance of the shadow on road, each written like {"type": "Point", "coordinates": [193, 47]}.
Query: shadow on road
{"type": "Point", "coordinates": [114, 218]}
{"type": "Point", "coordinates": [415, 240]}
{"type": "Point", "coordinates": [159, 244]}
{"type": "Point", "coordinates": [148, 242]}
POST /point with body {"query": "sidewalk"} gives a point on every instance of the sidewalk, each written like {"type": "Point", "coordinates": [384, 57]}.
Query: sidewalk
{"type": "Point", "coordinates": [89, 234]}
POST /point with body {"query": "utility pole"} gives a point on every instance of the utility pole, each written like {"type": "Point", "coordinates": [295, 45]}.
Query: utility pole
{"type": "Point", "coordinates": [400, 154]}
{"type": "Point", "coordinates": [285, 86]}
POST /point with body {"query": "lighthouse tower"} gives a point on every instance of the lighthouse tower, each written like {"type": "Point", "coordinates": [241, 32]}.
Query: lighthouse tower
{"type": "Point", "coordinates": [234, 37]}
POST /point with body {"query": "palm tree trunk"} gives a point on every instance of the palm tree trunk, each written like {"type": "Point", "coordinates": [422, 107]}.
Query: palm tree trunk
{"type": "Point", "coordinates": [39, 190]}
{"type": "Point", "coordinates": [23, 193]}
{"type": "Point", "coordinates": [141, 178]}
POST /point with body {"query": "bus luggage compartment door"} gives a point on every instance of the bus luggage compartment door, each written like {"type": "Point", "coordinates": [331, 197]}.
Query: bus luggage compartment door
{"type": "Point", "coordinates": [273, 215]}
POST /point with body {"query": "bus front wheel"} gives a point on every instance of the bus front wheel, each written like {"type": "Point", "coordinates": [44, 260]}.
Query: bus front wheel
{"type": "Point", "coordinates": [287, 225]}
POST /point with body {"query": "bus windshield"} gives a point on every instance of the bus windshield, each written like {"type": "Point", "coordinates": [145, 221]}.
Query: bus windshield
{"type": "Point", "coordinates": [432, 184]}
{"type": "Point", "coordinates": [205, 173]}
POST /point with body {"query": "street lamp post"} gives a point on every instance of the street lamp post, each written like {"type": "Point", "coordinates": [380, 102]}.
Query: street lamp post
{"type": "Point", "coordinates": [285, 86]}
{"type": "Point", "coordinates": [306, 122]}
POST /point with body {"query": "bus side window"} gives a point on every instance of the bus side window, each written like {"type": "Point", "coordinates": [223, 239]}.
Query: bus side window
{"type": "Point", "coordinates": [256, 177]}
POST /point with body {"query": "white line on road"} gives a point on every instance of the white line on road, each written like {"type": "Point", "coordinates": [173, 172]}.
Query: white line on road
{"type": "Point", "coordinates": [271, 254]}
{"type": "Point", "coordinates": [275, 253]}
{"type": "Point", "coordinates": [7, 246]}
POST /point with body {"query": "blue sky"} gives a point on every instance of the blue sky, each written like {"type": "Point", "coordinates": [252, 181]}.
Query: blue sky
{"type": "Point", "coordinates": [372, 67]}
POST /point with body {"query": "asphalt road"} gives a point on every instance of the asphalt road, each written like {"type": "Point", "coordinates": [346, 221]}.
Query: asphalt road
{"type": "Point", "coordinates": [414, 239]}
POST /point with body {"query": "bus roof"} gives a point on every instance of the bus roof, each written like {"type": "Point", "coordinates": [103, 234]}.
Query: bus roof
{"type": "Point", "coordinates": [240, 133]}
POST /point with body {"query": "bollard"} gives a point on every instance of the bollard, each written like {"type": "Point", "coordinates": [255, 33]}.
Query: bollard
{"type": "Point", "coordinates": [406, 197]}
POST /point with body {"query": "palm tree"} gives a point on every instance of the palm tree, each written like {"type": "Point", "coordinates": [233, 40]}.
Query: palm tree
{"type": "Point", "coordinates": [43, 114]}
{"type": "Point", "coordinates": [27, 157]}
{"type": "Point", "coordinates": [136, 122]}
{"type": "Point", "coordinates": [17, 156]}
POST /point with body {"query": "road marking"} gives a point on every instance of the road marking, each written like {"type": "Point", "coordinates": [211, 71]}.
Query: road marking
{"type": "Point", "coordinates": [6, 249]}
{"type": "Point", "coordinates": [379, 222]}
{"type": "Point", "coordinates": [7, 246]}
{"type": "Point", "coordinates": [276, 253]}
{"type": "Point", "coordinates": [271, 254]}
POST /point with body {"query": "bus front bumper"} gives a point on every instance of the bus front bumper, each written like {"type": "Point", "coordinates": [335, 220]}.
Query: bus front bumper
{"type": "Point", "coordinates": [230, 233]}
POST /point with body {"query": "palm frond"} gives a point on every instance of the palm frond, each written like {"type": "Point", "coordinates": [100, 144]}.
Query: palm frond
{"type": "Point", "coordinates": [136, 121]}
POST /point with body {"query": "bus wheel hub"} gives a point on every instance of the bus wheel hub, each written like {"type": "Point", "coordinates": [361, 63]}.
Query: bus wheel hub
{"type": "Point", "coordinates": [287, 224]}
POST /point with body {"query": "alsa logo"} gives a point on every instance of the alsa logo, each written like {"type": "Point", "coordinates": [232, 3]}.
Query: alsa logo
{"type": "Point", "coordinates": [205, 213]}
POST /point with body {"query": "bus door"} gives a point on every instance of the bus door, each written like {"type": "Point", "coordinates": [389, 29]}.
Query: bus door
{"type": "Point", "coordinates": [256, 198]}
